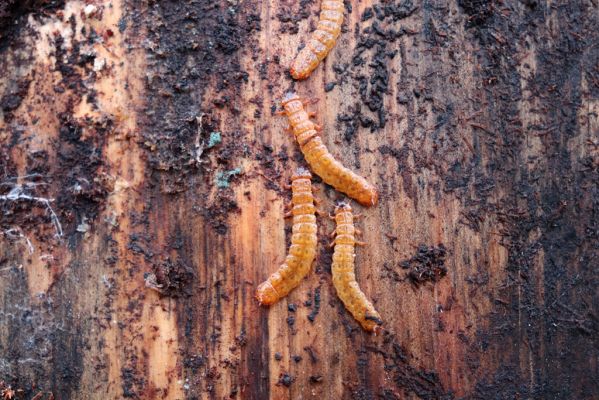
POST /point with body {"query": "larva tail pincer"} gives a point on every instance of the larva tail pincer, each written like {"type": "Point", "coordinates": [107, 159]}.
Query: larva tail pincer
{"type": "Point", "coordinates": [344, 276]}
{"type": "Point", "coordinates": [320, 159]}
{"type": "Point", "coordinates": [303, 242]}
{"type": "Point", "coordinates": [322, 40]}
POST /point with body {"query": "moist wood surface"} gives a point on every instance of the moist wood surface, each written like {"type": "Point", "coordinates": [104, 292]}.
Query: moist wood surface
{"type": "Point", "coordinates": [145, 133]}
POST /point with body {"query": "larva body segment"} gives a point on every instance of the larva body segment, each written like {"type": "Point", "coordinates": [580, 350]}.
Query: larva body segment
{"type": "Point", "coordinates": [320, 159]}
{"type": "Point", "coordinates": [322, 40]}
{"type": "Point", "coordinates": [303, 243]}
{"type": "Point", "coordinates": [344, 277]}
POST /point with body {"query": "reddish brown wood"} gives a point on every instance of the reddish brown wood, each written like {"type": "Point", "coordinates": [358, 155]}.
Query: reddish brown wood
{"type": "Point", "coordinates": [150, 128]}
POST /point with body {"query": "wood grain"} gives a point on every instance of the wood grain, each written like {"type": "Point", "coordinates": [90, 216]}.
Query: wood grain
{"type": "Point", "coordinates": [150, 128]}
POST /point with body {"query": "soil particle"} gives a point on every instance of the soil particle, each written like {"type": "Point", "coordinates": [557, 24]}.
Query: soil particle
{"type": "Point", "coordinates": [217, 214]}
{"type": "Point", "coordinates": [194, 362]}
{"type": "Point", "coordinates": [78, 179]}
{"type": "Point", "coordinates": [12, 100]}
{"type": "Point", "coordinates": [404, 168]}
{"type": "Point", "coordinates": [399, 365]}
{"type": "Point", "coordinates": [478, 11]}
{"type": "Point", "coordinates": [541, 211]}
{"type": "Point", "coordinates": [285, 379]}
{"type": "Point", "coordinates": [81, 171]}
{"type": "Point", "coordinates": [193, 46]}
{"type": "Point", "coordinates": [290, 15]}
{"type": "Point", "coordinates": [311, 354]}
{"type": "Point", "coordinates": [316, 305]}
{"type": "Point", "coordinates": [291, 320]}
{"type": "Point", "coordinates": [47, 330]}
{"type": "Point", "coordinates": [369, 69]}
{"type": "Point", "coordinates": [132, 382]}
{"type": "Point", "coordinates": [76, 182]}
{"type": "Point", "coordinates": [13, 15]}
{"type": "Point", "coordinates": [428, 265]}
{"type": "Point", "coordinates": [173, 278]}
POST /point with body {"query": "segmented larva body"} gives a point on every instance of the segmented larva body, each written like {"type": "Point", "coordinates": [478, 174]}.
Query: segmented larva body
{"type": "Point", "coordinates": [320, 159]}
{"type": "Point", "coordinates": [322, 40]}
{"type": "Point", "coordinates": [303, 242]}
{"type": "Point", "coordinates": [344, 276]}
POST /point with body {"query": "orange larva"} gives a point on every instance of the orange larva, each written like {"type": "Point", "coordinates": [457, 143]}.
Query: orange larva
{"type": "Point", "coordinates": [303, 242]}
{"type": "Point", "coordinates": [344, 276]}
{"type": "Point", "coordinates": [320, 160]}
{"type": "Point", "coordinates": [322, 40]}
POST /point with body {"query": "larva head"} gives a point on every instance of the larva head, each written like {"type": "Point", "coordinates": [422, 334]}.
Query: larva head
{"type": "Point", "coordinates": [343, 207]}
{"type": "Point", "coordinates": [266, 294]}
{"type": "Point", "coordinates": [372, 322]}
{"type": "Point", "coordinates": [289, 96]}
{"type": "Point", "coordinates": [301, 173]}
{"type": "Point", "coordinates": [301, 185]}
{"type": "Point", "coordinates": [291, 102]}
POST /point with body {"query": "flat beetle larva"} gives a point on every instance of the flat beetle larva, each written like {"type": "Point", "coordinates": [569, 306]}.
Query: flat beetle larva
{"type": "Point", "coordinates": [344, 276]}
{"type": "Point", "coordinates": [320, 159]}
{"type": "Point", "coordinates": [322, 40]}
{"type": "Point", "coordinates": [303, 242]}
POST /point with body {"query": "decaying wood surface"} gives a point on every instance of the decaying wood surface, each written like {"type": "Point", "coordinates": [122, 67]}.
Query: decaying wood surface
{"type": "Point", "coordinates": [141, 188]}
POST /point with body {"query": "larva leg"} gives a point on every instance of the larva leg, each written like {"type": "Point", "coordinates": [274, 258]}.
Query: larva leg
{"type": "Point", "coordinates": [358, 243]}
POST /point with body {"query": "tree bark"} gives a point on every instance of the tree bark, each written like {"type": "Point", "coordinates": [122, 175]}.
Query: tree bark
{"type": "Point", "coordinates": [142, 177]}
